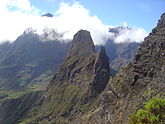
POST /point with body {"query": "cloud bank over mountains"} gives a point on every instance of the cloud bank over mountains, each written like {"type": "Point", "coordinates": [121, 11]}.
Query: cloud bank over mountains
{"type": "Point", "coordinates": [131, 35]}
{"type": "Point", "coordinates": [19, 15]}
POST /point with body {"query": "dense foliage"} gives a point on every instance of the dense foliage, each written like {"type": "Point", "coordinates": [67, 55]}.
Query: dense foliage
{"type": "Point", "coordinates": [153, 113]}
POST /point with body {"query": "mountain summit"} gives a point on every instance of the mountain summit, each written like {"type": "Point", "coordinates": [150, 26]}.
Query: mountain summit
{"type": "Point", "coordinates": [48, 15]}
{"type": "Point", "coordinates": [82, 44]}
{"type": "Point", "coordinates": [83, 60]}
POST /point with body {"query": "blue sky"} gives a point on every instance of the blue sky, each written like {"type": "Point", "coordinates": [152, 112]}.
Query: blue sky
{"type": "Point", "coordinates": [140, 13]}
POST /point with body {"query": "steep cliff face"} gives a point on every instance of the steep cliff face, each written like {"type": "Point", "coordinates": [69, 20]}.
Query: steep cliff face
{"type": "Point", "coordinates": [148, 64]}
{"type": "Point", "coordinates": [80, 79]}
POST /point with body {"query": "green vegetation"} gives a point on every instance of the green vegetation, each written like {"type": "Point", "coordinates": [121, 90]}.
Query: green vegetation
{"type": "Point", "coordinates": [59, 105]}
{"type": "Point", "coordinates": [41, 82]}
{"type": "Point", "coordinates": [63, 99]}
{"type": "Point", "coordinates": [149, 91]}
{"type": "Point", "coordinates": [153, 113]}
{"type": "Point", "coordinates": [66, 97]}
{"type": "Point", "coordinates": [12, 94]}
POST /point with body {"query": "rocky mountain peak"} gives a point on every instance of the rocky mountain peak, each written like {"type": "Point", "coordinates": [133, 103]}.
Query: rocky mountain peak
{"type": "Point", "coordinates": [82, 60]}
{"type": "Point", "coordinates": [84, 67]}
{"type": "Point", "coordinates": [82, 44]}
{"type": "Point", "coordinates": [48, 15]}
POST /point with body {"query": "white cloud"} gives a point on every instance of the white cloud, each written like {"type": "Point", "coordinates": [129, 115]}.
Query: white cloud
{"type": "Point", "coordinates": [22, 4]}
{"type": "Point", "coordinates": [71, 18]}
{"type": "Point", "coordinates": [68, 19]}
{"type": "Point", "coordinates": [131, 35]}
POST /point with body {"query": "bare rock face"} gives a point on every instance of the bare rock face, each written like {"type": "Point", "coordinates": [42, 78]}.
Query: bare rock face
{"type": "Point", "coordinates": [102, 71]}
{"type": "Point", "coordinates": [82, 44]}
{"type": "Point", "coordinates": [148, 64]}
